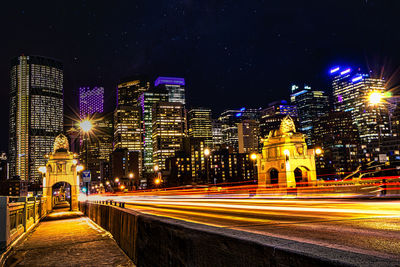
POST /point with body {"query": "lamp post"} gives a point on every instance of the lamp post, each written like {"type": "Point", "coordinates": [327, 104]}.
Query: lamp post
{"type": "Point", "coordinates": [375, 99]}
{"type": "Point", "coordinates": [253, 157]}
{"type": "Point", "coordinates": [207, 154]}
{"type": "Point", "coordinates": [86, 126]}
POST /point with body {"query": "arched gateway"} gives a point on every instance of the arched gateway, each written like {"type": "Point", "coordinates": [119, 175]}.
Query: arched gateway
{"type": "Point", "coordinates": [285, 159]}
{"type": "Point", "coordinates": [61, 167]}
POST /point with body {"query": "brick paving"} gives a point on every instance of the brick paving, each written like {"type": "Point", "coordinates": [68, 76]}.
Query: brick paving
{"type": "Point", "coordinates": [67, 238]}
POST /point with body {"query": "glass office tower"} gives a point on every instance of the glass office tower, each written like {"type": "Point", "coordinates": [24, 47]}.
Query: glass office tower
{"type": "Point", "coordinates": [36, 113]}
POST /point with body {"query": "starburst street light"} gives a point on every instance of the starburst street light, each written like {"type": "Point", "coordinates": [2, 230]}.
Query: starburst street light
{"type": "Point", "coordinates": [375, 98]}
{"type": "Point", "coordinates": [86, 125]}
{"type": "Point", "coordinates": [253, 156]}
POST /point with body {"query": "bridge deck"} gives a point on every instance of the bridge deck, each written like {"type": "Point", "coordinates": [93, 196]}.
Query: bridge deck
{"type": "Point", "coordinates": [67, 238]}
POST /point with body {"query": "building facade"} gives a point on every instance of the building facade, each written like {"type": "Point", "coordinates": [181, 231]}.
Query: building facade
{"type": "Point", "coordinates": [249, 136]}
{"type": "Point", "coordinates": [175, 88]}
{"type": "Point", "coordinates": [168, 131]}
{"type": "Point", "coordinates": [310, 105]}
{"type": "Point", "coordinates": [351, 91]}
{"type": "Point", "coordinates": [90, 101]}
{"type": "Point", "coordinates": [272, 116]}
{"type": "Point", "coordinates": [200, 124]}
{"type": "Point", "coordinates": [36, 113]}
{"type": "Point", "coordinates": [129, 90]}
{"type": "Point", "coordinates": [146, 101]}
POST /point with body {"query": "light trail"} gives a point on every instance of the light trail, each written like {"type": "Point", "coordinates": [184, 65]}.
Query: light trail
{"type": "Point", "coordinates": [362, 226]}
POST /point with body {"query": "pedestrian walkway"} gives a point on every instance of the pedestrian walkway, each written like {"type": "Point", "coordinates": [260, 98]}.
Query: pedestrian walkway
{"type": "Point", "coordinates": [66, 238]}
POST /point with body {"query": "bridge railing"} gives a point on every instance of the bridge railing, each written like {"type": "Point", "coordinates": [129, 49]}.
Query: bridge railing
{"type": "Point", "coordinates": [17, 216]}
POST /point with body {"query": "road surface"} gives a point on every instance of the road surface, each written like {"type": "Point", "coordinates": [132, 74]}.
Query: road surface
{"type": "Point", "coordinates": [363, 226]}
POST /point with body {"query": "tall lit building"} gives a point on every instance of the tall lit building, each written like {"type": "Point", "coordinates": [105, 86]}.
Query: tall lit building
{"type": "Point", "coordinates": [127, 128]}
{"type": "Point", "coordinates": [100, 144]}
{"type": "Point", "coordinates": [351, 91]}
{"type": "Point", "coordinates": [175, 88]}
{"type": "Point", "coordinates": [338, 138]}
{"type": "Point", "coordinates": [310, 104]}
{"type": "Point", "coordinates": [229, 120]}
{"type": "Point", "coordinates": [146, 101]}
{"type": "Point", "coordinates": [90, 101]}
{"type": "Point", "coordinates": [249, 136]}
{"type": "Point", "coordinates": [272, 116]}
{"type": "Point", "coordinates": [168, 131]}
{"type": "Point", "coordinates": [200, 124]}
{"type": "Point", "coordinates": [36, 113]}
{"type": "Point", "coordinates": [217, 135]}
{"type": "Point", "coordinates": [129, 89]}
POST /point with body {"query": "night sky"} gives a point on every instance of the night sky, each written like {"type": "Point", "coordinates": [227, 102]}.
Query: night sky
{"type": "Point", "coordinates": [232, 53]}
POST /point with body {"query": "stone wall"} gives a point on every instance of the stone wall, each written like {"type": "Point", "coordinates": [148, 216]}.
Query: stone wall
{"type": "Point", "coordinates": [157, 241]}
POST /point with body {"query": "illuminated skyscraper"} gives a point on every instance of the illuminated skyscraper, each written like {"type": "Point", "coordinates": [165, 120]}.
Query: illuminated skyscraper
{"type": "Point", "coordinates": [351, 92]}
{"type": "Point", "coordinates": [175, 88]}
{"type": "Point", "coordinates": [100, 144]}
{"type": "Point", "coordinates": [229, 120]}
{"type": "Point", "coordinates": [272, 116]}
{"type": "Point", "coordinates": [168, 131]}
{"type": "Point", "coordinates": [129, 89]}
{"type": "Point", "coordinates": [311, 105]}
{"type": "Point", "coordinates": [146, 101]}
{"type": "Point", "coordinates": [248, 136]}
{"type": "Point", "coordinates": [200, 124]}
{"type": "Point", "coordinates": [127, 130]}
{"type": "Point", "coordinates": [217, 135]}
{"type": "Point", "coordinates": [90, 101]}
{"type": "Point", "coordinates": [36, 113]}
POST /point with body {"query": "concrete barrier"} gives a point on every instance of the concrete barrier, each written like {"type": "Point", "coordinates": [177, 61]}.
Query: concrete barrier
{"type": "Point", "coordinates": [157, 241]}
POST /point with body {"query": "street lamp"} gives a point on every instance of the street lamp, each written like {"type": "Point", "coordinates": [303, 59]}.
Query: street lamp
{"type": "Point", "coordinates": [318, 151]}
{"type": "Point", "coordinates": [157, 181]}
{"type": "Point", "coordinates": [79, 168]}
{"type": "Point", "coordinates": [375, 98]}
{"type": "Point", "coordinates": [131, 175]}
{"type": "Point", "coordinates": [253, 157]}
{"type": "Point", "coordinates": [86, 126]}
{"type": "Point", "coordinates": [207, 154]}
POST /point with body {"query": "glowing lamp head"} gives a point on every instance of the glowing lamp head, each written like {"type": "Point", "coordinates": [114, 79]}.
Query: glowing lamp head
{"type": "Point", "coordinates": [74, 161]}
{"type": "Point", "coordinates": [116, 180]}
{"type": "Point", "coordinates": [156, 168]}
{"type": "Point", "coordinates": [86, 125]}
{"type": "Point", "coordinates": [79, 168]}
{"type": "Point", "coordinates": [131, 175]}
{"type": "Point", "coordinates": [42, 169]}
{"type": "Point", "coordinates": [157, 181]}
{"type": "Point", "coordinates": [122, 187]}
{"type": "Point", "coordinates": [253, 156]}
{"type": "Point", "coordinates": [206, 152]}
{"type": "Point", "coordinates": [107, 183]}
{"type": "Point", "coordinates": [375, 98]}
{"type": "Point", "coordinates": [318, 151]}
{"type": "Point", "coordinates": [286, 152]}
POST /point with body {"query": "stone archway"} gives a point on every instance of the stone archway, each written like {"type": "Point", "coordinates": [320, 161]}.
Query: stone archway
{"type": "Point", "coordinates": [301, 175]}
{"type": "Point", "coordinates": [61, 167]}
{"type": "Point", "coordinates": [273, 176]}
{"type": "Point", "coordinates": [286, 151]}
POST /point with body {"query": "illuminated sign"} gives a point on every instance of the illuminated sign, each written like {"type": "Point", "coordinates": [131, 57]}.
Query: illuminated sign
{"type": "Point", "coordinates": [169, 80]}
{"type": "Point", "coordinates": [242, 109]}
{"type": "Point", "coordinates": [345, 71]}
{"type": "Point", "coordinates": [358, 78]}
{"type": "Point", "coordinates": [238, 114]}
{"type": "Point", "coordinates": [334, 70]}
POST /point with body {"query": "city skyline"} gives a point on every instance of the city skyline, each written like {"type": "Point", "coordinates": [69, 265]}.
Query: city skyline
{"type": "Point", "coordinates": [131, 46]}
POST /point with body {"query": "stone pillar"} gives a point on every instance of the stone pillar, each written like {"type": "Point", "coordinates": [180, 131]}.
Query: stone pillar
{"type": "Point", "coordinates": [74, 197]}
{"type": "Point", "coordinates": [4, 222]}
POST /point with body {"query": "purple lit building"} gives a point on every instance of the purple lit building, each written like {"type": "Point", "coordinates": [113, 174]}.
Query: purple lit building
{"type": "Point", "coordinates": [175, 88]}
{"type": "Point", "coordinates": [90, 100]}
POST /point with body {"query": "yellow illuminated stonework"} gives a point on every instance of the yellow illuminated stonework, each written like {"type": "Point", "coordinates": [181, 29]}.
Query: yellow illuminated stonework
{"type": "Point", "coordinates": [61, 167]}
{"type": "Point", "coordinates": [285, 159]}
